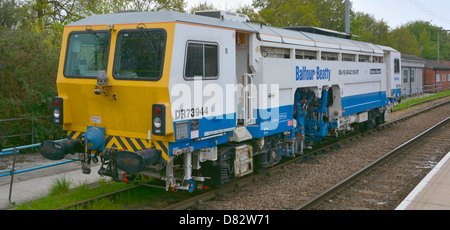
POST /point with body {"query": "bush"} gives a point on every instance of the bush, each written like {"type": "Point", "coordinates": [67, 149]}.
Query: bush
{"type": "Point", "coordinates": [29, 60]}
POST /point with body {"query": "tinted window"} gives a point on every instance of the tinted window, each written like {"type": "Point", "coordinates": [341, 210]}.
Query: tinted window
{"type": "Point", "coordinates": [140, 54]}
{"type": "Point", "coordinates": [194, 60]}
{"type": "Point", "coordinates": [202, 61]}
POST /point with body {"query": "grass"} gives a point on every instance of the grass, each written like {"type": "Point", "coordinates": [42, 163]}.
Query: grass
{"type": "Point", "coordinates": [60, 185]}
{"type": "Point", "coordinates": [422, 99]}
{"type": "Point", "coordinates": [61, 195]}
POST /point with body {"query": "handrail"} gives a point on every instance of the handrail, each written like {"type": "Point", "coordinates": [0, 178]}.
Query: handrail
{"type": "Point", "coordinates": [29, 132]}
{"type": "Point", "coordinates": [13, 170]}
{"type": "Point", "coordinates": [10, 151]}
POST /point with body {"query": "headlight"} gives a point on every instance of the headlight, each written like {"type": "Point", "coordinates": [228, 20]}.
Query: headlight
{"type": "Point", "coordinates": [56, 113]}
{"type": "Point", "coordinates": [157, 122]}
{"type": "Point", "coordinates": [158, 119]}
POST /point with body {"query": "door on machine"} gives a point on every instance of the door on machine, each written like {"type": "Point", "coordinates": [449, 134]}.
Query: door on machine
{"type": "Point", "coordinates": [246, 89]}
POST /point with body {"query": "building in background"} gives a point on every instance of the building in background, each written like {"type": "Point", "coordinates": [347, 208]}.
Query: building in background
{"type": "Point", "coordinates": [434, 77]}
{"type": "Point", "coordinates": [412, 75]}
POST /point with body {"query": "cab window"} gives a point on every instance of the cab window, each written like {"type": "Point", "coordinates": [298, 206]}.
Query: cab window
{"type": "Point", "coordinates": [87, 53]}
{"type": "Point", "coordinates": [140, 54]}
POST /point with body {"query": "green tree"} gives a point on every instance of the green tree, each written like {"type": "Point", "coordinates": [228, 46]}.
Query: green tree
{"type": "Point", "coordinates": [426, 35]}
{"type": "Point", "coordinates": [330, 14]}
{"type": "Point", "coordinates": [9, 13]}
{"type": "Point", "coordinates": [54, 14]}
{"type": "Point", "coordinates": [249, 11]}
{"type": "Point", "coordinates": [404, 41]}
{"type": "Point", "coordinates": [284, 13]}
{"type": "Point", "coordinates": [201, 7]}
{"type": "Point", "coordinates": [368, 29]}
{"type": "Point", "coordinates": [156, 5]}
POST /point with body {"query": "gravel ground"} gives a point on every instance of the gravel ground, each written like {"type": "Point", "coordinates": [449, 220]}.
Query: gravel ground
{"type": "Point", "coordinates": [299, 182]}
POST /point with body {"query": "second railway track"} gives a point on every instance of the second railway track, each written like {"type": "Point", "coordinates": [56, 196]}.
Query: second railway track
{"type": "Point", "coordinates": [314, 174]}
{"type": "Point", "coordinates": [317, 173]}
{"type": "Point", "coordinates": [387, 181]}
{"type": "Point", "coordinates": [301, 182]}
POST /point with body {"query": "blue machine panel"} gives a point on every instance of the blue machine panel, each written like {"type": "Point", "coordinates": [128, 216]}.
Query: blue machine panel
{"type": "Point", "coordinates": [363, 102]}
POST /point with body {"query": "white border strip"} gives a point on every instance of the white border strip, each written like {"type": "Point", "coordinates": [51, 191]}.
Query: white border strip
{"type": "Point", "coordinates": [422, 184]}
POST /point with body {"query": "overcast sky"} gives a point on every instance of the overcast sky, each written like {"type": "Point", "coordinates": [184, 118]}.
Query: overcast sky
{"type": "Point", "coordinates": [394, 12]}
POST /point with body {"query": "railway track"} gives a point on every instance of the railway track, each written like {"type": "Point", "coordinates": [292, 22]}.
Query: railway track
{"type": "Point", "coordinates": [199, 201]}
{"type": "Point", "coordinates": [386, 182]}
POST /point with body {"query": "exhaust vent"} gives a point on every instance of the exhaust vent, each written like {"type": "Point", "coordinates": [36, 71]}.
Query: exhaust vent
{"type": "Point", "coordinates": [224, 15]}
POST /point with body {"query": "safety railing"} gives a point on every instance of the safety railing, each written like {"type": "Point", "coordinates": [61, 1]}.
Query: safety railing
{"type": "Point", "coordinates": [19, 130]}
{"type": "Point", "coordinates": [13, 170]}
{"type": "Point", "coordinates": [15, 150]}
{"type": "Point", "coordinates": [422, 89]}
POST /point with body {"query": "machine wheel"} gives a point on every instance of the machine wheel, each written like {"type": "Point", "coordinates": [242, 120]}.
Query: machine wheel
{"type": "Point", "coordinates": [220, 171]}
{"type": "Point", "coordinates": [226, 171]}
{"type": "Point", "coordinates": [267, 159]}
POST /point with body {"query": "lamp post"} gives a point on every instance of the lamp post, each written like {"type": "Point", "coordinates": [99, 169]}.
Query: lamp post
{"type": "Point", "coordinates": [347, 16]}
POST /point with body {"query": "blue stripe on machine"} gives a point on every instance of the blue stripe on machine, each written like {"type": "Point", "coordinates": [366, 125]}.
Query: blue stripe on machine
{"type": "Point", "coordinates": [363, 102]}
{"type": "Point", "coordinates": [211, 125]}
{"type": "Point", "coordinates": [274, 122]}
{"type": "Point", "coordinates": [397, 92]}
{"type": "Point", "coordinates": [269, 125]}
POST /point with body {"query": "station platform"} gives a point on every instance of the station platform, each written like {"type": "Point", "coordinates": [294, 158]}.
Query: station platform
{"type": "Point", "coordinates": [433, 192]}
{"type": "Point", "coordinates": [36, 184]}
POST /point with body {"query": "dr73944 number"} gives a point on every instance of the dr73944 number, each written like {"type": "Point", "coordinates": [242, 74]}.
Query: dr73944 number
{"type": "Point", "coordinates": [191, 113]}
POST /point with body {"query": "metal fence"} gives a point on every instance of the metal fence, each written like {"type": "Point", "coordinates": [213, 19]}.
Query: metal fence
{"type": "Point", "coordinates": [28, 130]}
{"type": "Point", "coordinates": [12, 171]}
{"type": "Point", "coordinates": [422, 89]}
{"type": "Point", "coordinates": [22, 130]}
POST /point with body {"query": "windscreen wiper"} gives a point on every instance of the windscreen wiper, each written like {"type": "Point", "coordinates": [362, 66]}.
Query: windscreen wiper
{"type": "Point", "coordinates": [147, 40]}
{"type": "Point", "coordinates": [94, 37]}
{"type": "Point", "coordinates": [98, 45]}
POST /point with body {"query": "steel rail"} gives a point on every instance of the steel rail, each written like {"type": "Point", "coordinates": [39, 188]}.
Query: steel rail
{"type": "Point", "coordinates": [349, 180]}
{"type": "Point", "coordinates": [200, 199]}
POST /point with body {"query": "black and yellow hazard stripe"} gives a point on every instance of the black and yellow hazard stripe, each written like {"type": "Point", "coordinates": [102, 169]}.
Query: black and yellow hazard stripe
{"type": "Point", "coordinates": [129, 143]}
{"type": "Point", "coordinates": [164, 147]}
{"type": "Point", "coordinates": [73, 134]}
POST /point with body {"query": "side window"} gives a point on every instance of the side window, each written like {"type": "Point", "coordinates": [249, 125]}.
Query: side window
{"type": "Point", "coordinates": [201, 60]}
{"type": "Point", "coordinates": [327, 56]}
{"type": "Point", "coordinates": [364, 58]}
{"type": "Point", "coordinates": [396, 65]}
{"type": "Point", "coordinates": [305, 54]}
{"type": "Point", "coordinates": [377, 59]}
{"type": "Point", "coordinates": [348, 57]}
{"type": "Point", "coordinates": [405, 76]}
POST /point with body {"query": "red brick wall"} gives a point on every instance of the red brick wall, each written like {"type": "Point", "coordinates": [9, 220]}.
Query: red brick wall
{"type": "Point", "coordinates": [429, 80]}
{"type": "Point", "coordinates": [445, 62]}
